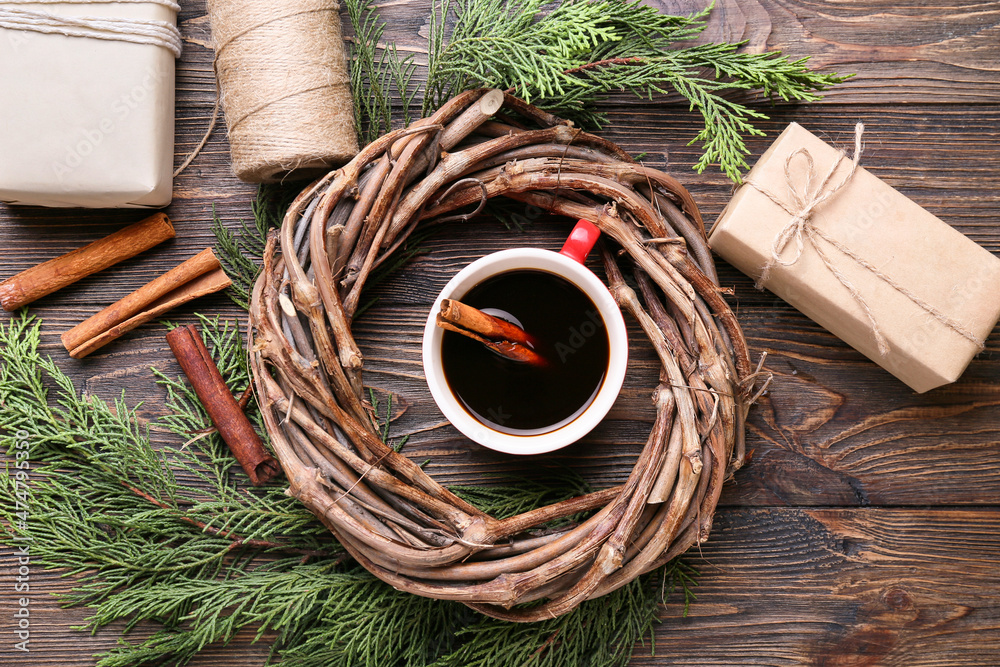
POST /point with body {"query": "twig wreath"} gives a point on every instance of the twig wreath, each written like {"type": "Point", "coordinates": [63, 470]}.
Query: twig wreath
{"type": "Point", "coordinates": [387, 512]}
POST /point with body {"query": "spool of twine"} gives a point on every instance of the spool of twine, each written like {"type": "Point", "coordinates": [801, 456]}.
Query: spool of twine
{"type": "Point", "coordinates": [283, 85]}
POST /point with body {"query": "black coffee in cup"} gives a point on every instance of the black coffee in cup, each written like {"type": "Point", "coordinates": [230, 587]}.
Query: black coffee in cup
{"type": "Point", "coordinates": [567, 331]}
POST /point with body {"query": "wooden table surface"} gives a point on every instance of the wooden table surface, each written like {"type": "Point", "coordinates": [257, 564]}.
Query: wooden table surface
{"type": "Point", "coordinates": [866, 528]}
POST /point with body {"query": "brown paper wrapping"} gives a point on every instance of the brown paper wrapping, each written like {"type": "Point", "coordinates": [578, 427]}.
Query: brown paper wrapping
{"type": "Point", "coordinates": [914, 248]}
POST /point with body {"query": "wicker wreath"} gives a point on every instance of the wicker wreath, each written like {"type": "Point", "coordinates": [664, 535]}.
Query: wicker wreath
{"type": "Point", "coordinates": [392, 517]}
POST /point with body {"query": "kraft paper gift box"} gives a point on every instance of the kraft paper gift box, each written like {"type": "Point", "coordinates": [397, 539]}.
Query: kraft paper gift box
{"type": "Point", "coordinates": [932, 293]}
{"type": "Point", "coordinates": [84, 121]}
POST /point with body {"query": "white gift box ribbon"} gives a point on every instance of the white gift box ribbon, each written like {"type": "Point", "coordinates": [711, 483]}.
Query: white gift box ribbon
{"type": "Point", "coordinates": [137, 31]}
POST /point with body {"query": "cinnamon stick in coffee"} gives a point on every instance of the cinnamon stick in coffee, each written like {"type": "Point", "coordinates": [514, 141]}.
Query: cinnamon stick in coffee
{"type": "Point", "coordinates": [196, 277]}
{"type": "Point", "coordinates": [487, 326]}
{"type": "Point", "coordinates": [221, 406]}
{"type": "Point", "coordinates": [56, 273]}
{"type": "Point", "coordinates": [504, 338]}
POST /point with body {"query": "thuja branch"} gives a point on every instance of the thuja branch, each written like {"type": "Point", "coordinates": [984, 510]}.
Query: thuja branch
{"type": "Point", "coordinates": [176, 560]}
{"type": "Point", "coordinates": [598, 64]}
{"type": "Point", "coordinates": [93, 455]}
{"type": "Point", "coordinates": [567, 56]}
{"type": "Point", "coordinates": [240, 251]}
{"type": "Point", "coordinates": [376, 73]}
{"type": "Point", "coordinates": [237, 542]}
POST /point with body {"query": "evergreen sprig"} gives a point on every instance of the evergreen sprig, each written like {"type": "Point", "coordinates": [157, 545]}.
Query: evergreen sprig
{"type": "Point", "coordinates": [530, 493]}
{"type": "Point", "coordinates": [172, 536]}
{"type": "Point", "coordinates": [375, 73]}
{"type": "Point", "coordinates": [240, 251]}
{"type": "Point", "coordinates": [566, 56]}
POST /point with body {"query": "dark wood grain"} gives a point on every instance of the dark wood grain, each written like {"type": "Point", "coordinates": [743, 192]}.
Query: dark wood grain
{"type": "Point", "coordinates": [865, 529]}
{"type": "Point", "coordinates": [778, 586]}
{"type": "Point", "coordinates": [915, 51]}
{"type": "Point", "coordinates": [836, 587]}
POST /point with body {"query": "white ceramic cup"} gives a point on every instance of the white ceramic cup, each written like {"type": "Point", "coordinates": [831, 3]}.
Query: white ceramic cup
{"type": "Point", "coordinates": [568, 265]}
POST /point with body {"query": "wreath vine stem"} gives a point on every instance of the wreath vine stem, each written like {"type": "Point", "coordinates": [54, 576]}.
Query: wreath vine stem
{"type": "Point", "coordinates": [391, 516]}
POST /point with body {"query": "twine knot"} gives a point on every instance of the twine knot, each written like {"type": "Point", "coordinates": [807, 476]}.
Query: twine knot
{"type": "Point", "coordinates": [803, 230]}
{"type": "Point", "coordinates": [804, 202]}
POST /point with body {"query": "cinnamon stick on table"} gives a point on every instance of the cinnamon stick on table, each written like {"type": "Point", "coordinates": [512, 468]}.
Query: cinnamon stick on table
{"type": "Point", "coordinates": [47, 277]}
{"type": "Point", "coordinates": [196, 277]}
{"type": "Point", "coordinates": [221, 406]}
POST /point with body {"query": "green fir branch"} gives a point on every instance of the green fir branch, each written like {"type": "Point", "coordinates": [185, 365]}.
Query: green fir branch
{"type": "Point", "coordinates": [172, 536]}
{"type": "Point", "coordinates": [681, 578]}
{"type": "Point", "coordinates": [501, 44]}
{"type": "Point", "coordinates": [401, 71]}
{"type": "Point", "coordinates": [120, 509]}
{"type": "Point", "coordinates": [567, 56]}
{"type": "Point", "coordinates": [600, 632]}
{"type": "Point", "coordinates": [372, 103]}
{"type": "Point", "coordinates": [376, 72]}
{"type": "Point", "coordinates": [240, 251]}
{"type": "Point", "coordinates": [547, 489]}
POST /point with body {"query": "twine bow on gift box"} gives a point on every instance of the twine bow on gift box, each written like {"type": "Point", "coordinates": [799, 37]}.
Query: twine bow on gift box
{"type": "Point", "coordinates": [803, 229]}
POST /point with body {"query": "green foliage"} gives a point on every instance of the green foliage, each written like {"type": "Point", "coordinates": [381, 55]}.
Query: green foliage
{"type": "Point", "coordinates": [530, 493]}
{"type": "Point", "coordinates": [375, 73]}
{"type": "Point", "coordinates": [502, 44]}
{"type": "Point", "coordinates": [239, 252]}
{"type": "Point", "coordinates": [173, 536]}
{"type": "Point", "coordinates": [682, 71]}
{"type": "Point", "coordinates": [112, 507]}
{"type": "Point", "coordinates": [565, 56]}
{"type": "Point", "coordinates": [600, 632]}
{"type": "Point", "coordinates": [680, 577]}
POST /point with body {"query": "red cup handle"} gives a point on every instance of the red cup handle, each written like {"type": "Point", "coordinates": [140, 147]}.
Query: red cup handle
{"type": "Point", "coordinates": [580, 241]}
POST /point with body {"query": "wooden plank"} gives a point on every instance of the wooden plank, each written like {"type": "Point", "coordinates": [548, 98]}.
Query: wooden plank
{"type": "Point", "coordinates": [917, 51]}
{"type": "Point", "coordinates": [888, 587]}
{"type": "Point", "coordinates": [782, 586]}
{"type": "Point", "coordinates": [864, 529]}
